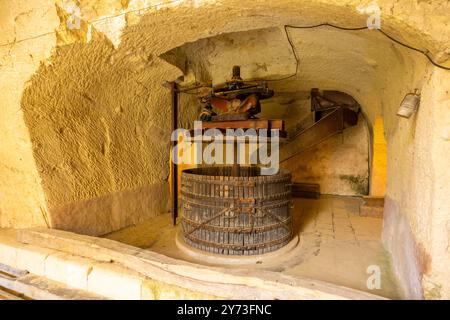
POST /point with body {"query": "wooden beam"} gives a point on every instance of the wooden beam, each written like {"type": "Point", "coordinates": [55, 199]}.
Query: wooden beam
{"type": "Point", "coordinates": [306, 190]}
{"type": "Point", "coordinates": [276, 124]}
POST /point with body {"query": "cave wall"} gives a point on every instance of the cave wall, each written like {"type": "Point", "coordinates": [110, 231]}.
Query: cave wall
{"type": "Point", "coordinates": [417, 213]}
{"type": "Point", "coordinates": [102, 137]}
{"type": "Point", "coordinates": [22, 198]}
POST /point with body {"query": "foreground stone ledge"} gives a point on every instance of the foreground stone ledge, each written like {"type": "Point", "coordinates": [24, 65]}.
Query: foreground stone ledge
{"type": "Point", "coordinates": [8, 254]}
{"type": "Point", "coordinates": [168, 273]}
{"type": "Point", "coordinates": [156, 290]}
{"type": "Point", "coordinates": [114, 270]}
{"type": "Point", "coordinates": [116, 282]}
{"type": "Point", "coordinates": [69, 269]}
{"type": "Point", "coordinates": [33, 258]}
{"type": "Point", "coordinates": [88, 278]}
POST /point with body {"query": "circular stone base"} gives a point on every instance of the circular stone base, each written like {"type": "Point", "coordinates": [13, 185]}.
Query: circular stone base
{"type": "Point", "coordinates": [214, 258]}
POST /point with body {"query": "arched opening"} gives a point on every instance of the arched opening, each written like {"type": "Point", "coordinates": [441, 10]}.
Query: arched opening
{"type": "Point", "coordinates": [340, 163]}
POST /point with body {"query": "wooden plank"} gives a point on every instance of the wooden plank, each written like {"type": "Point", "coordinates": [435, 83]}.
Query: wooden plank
{"type": "Point", "coordinates": [230, 117]}
{"type": "Point", "coordinates": [237, 124]}
{"type": "Point", "coordinates": [6, 294]}
{"type": "Point", "coordinates": [282, 135]}
{"type": "Point", "coordinates": [277, 124]}
{"type": "Point", "coordinates": [372, 201]}
{"type": "Point", "coordinates": [306, 190]}
{"type": "Point", "coordinates": [372, 207]}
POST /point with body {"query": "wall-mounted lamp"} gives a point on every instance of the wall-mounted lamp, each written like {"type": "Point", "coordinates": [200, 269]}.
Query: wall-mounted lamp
{"type": "Point", "coordinates": [409, 105]}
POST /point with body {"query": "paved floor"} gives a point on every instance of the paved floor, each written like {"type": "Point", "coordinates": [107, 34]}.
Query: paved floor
{"type": "Point", "coordinates": [336, 245]}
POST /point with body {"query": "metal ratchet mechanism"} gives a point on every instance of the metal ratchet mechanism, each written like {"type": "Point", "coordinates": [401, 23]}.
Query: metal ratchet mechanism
{"type": "Point", "coordinates": [234, 99]}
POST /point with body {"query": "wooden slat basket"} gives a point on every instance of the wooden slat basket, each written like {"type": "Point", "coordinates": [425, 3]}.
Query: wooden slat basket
{"type": "Point", "coordinates": [244, 215]}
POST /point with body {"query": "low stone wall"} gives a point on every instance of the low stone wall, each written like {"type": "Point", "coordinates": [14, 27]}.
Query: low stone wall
{"type": "Point", "coordinates": [116, 271]}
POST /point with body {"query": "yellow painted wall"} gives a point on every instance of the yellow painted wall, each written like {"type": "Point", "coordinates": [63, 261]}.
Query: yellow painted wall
{"type": "Point", "coordinates": [379, 162]}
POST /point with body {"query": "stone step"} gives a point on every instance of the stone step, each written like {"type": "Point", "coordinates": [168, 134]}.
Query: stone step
{"type": "Point", "coordinates": [16, 284]}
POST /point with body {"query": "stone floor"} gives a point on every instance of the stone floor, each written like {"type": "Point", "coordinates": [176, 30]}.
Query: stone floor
{"type": "Point", "coordinates": [336, 245]}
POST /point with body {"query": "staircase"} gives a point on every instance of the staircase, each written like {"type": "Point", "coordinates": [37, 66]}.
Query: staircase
{"type": "Point", "coordinates": [331, 124]}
